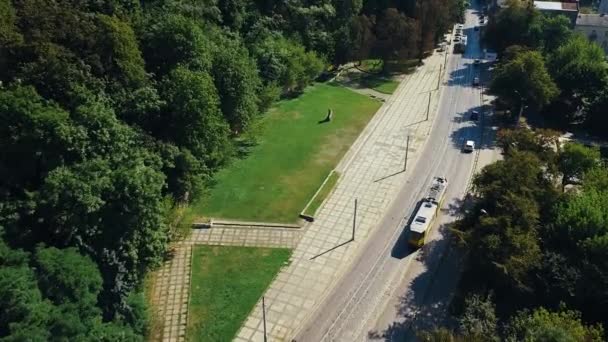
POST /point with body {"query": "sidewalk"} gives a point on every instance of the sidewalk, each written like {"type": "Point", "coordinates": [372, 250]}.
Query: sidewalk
{"type": "Point", "coordinates": [171, 283]}
{"type": "Point", "coordinates": [372, 173]}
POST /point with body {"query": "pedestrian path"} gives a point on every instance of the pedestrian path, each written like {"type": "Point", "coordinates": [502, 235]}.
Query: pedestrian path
{"type": "Point", "coordinates": [170, 288]}
{"type": "Point", "coordinates": [372, 174]}
{"type": "Point", "coordinates": [171, 283]}
{"type": "Point", "coordinates": [246, 236]}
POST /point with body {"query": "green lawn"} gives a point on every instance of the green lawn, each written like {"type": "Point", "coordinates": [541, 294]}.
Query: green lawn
{"type": "Point", "coordinates": [226, 284]}
{"type": "Point", "coordinates": [294, 155]}
{"type": "Point", "coordinates": [381, 84]}
{"type": "Point", "coordinates": [325, 190]}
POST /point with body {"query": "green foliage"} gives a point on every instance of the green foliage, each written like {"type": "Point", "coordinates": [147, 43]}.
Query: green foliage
{"type": "Point", "coordinates": [170, 40]}
{"type": "Point", "coordinates": [511, 25]}
{"type": "Point", "coordinates": [479, 318]}
{"type": "Point", "coordinates": [524, 78]}
{"type": "Point", "coordinates": [119, 52]}
{"type": "Point", "coordinates": [550, 32]}
{"type": "Point", "coordinates": [67, 277]}
{"type": "Point", "coordinates": [113, 111]}
{"type": "Point", "coordinates": [192, 118]}
{"type": "Point", "coordinates": [237, 82]}
{"type": "Point", "coordinates": [575, 160]}
{"type": "Point", "coordinates": [54, 300]}
{"type": "Point", "coordinates": [578, 67]}
{"type": "Point", "coordinates": [396, 36]}
{"type": "Point", "coordinates": [287, 64]}
{"type": "Point", "coordinates": [543, 325]}
{"type": "Point", "coordinates": [533, 247]}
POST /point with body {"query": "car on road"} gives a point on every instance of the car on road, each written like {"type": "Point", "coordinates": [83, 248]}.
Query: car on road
{"type": "Point", "coordinates": [469, 146]}
{"type": "Point", "coordinates": [477, 62]}
{"type": "Point", "coordinates": [476, 81]}
{"type": "Point", "coordinates": [474, 115]}
{"type": "Point", "coordinates": [476, 28]}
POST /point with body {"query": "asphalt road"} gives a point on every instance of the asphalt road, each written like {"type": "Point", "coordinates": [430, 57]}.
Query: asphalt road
{"type": "Point", "coordinates": [390, 290]}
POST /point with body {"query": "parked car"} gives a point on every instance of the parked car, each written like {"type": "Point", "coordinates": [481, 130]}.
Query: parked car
{"type": "Point", "coordinates": [474, 115]}
{"type": "Point", "coordinates": [469, 146]}
{"type": "Point", "coordinates": [476, 28]}
{"type": "Point", "coordinates": [476, 81]}
{"type": "Point", "coordinates": [477, 62]}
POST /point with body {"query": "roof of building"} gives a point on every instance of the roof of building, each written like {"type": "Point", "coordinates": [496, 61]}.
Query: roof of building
{"type": "Point", "coordinates": [556, 6]}
{"type": "Point", "coordinates": [600, 20]}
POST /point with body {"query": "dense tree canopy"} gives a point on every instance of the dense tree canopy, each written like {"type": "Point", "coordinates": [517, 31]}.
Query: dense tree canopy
{"type": "Point", "coordinates": [530, 246]}
{"type": "Point", "coordinates": [524, 80]}
{"type": "Point", "coordinates": [115, 112]}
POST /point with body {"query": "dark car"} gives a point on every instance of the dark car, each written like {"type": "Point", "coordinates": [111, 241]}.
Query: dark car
{"type": "Point", "coordinates": [476, 28]}
{"type": "Point", "coordinates": [474, 115]}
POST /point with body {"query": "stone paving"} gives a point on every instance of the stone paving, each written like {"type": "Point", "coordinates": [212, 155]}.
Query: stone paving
{"type": "Point", "coordinates": [372, 172]}
{"type": "Point", "coordinates": [170, 295]}
{"type": "Point", "coordinates": [246, 236]}
{"type": "Point", "coordinates": [172, 281]}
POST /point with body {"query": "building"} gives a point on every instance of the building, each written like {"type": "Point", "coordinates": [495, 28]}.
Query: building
{"type": "Point", "coordinates": [568, 9]}
{"type": "Point", "coordinates": [594, 27]}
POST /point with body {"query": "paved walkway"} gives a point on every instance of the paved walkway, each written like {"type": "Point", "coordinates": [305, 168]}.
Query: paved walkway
{"type": "Point", "coordinates": [170, 290]}
{"type": "Point", "coordinates": [372, 173]}
{"type": "Point", "coordinates": [170, 295]}
{"type": "Point", "coordinates": [247, 236]}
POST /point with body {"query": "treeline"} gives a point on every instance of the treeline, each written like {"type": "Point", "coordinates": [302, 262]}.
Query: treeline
{"type": "Point", "coordinates": [548, 68]}
{"type": "Point", "coordinates": [114, 111]}
{"type": "Point", "coordinates": [535, 236]}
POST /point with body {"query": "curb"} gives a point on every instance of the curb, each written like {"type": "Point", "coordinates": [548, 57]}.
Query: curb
{"type": "Point", "coordinates": [242, 224]}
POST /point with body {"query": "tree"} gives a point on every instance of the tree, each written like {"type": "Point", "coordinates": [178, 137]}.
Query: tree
{"type": "Point", "coordinates": [67, 277]}
{"type": "Point", "coordinates": [550, 32]}
{"type": "Point", "coordinates": [479, 318]}
{"type": "Point", "coordinates": [596, 119]}
{"type": "Point", "coordinates": [543, 325]}
{"type": "Point", "coordinates": [580, 71]}
{"type": "Point", "coordinates": [171, 40]}
{"type": "Point", "coordinates": [113, 210]}
{"type": "Point", "coordinates": [192, 118]}
{"type": "Point", "coordinates": [511, 25]}
{"type": "Point", "coordinates": [575, 160]}
{"type": "Point", "coordinates": [287, 64]}
{"type": "Point", "coordinates": [362, 36]}
{"type": "Point", "coordinates": [237, 82]}
{"type": "Point", "coordinates": [524, 79]}
{"type": "Point", "coordinates": [119, 54]}
{"type": "Point", "coordinates": [396, 36]}
{"type": "Point", "coordinates": [24, 312]}
{"type": "Point", "coordinates": [34, 136]}
{"type": "Point", "coordinates": [596, 179]}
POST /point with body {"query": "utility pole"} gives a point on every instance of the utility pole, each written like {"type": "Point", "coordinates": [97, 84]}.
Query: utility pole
{"type": "Point", "coordinates": [354, 221]}
{"type": "Point", "coordinates": [428, 107]}
{"type": "Point", "coordinates": [407, 147]}
{"type": "Point", "coordinates": [264, 318]}
{"type": "Point", "coordinates": [439, 78]}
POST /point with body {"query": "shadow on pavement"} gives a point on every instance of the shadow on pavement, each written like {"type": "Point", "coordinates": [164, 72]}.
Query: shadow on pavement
{"type": "Point", "coordinates": [401, 249]}
{"type": "Point", "coordinates": [419, 309]}
{"type": "Point", "coordinates": [473, 129]}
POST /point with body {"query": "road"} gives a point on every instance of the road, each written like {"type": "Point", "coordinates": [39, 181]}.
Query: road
{"type": "Point", "coordinates": [391, 289]}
